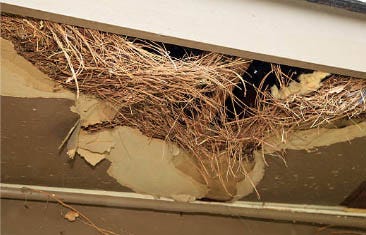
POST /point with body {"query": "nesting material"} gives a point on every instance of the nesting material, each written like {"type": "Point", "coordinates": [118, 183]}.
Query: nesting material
{"type": "Point", "coordinates": [176, 100]}
{"type": "Point", "coordinates": [134, 157]}
{"type": "Point", "coordinates": [184, 101]}
{"type": "Point", "coordinates": [336, 99]}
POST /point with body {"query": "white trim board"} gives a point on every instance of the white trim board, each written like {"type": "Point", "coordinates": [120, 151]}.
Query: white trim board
{"type": "Point", "coordinates": [296, 33]}
{"type": "Point", "coordinates": [335, 216]}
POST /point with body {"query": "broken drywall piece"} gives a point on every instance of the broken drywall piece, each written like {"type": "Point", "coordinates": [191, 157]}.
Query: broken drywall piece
{"type": "Point", "coordinates": [146, 166]}
{"type": "Point", "coordinates": [247, 186]}
{"type": "Point", "coordinates": [158, 172]}
{"type": "Point", "coordinates": [143, 164]}
{"type": "Point", "coordinates": [93, 111]}
{"type": "Point", "coordinates": [19, 78]}
{"type": "Point", "coordinates": [307, 83]}
{"type": "Point", "coordinates": [221, 185]}
{"type": "Point", "coordinates": [135, 159]}
{"type": "Point", "coordinates": [155, 167]}
{"type": "Point", "coordinates": [93, 147]}
{"type": "Point", "coordinates": [317, 137]}
{"type": "Point", "coordinates": [91, 157]}
{"type": "Point", "coordinates": [97, 142]}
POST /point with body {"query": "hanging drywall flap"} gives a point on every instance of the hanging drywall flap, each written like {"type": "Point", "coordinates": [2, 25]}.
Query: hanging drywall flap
{"type": "Point", "coordinates": [296, 33]}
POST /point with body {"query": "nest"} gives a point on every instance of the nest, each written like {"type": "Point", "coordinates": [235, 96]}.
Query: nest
{"type": "Point", "coordinates": [188, 101]}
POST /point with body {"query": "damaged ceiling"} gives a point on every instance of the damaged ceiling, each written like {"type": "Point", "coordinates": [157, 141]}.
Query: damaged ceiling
{"type": "Point", "coordinates": [149, 165]}
{"type": "Point", "coordinates": [104, 118]}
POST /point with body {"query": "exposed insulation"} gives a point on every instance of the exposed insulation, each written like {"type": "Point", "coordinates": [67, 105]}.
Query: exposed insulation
{"type": "Point", "coordinates": [307, 83]}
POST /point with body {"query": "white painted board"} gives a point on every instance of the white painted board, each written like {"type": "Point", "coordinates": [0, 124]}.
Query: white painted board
{"type": "Point", "coordinates": [297, 33]}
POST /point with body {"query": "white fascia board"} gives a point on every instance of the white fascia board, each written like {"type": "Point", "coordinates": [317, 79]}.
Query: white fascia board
{"type": "Point", "coordinates": [296, 33]}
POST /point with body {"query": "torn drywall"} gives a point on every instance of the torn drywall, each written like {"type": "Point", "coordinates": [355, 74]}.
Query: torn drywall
{"type": "Point", "coordinates": [149, 165]}
{"type": "Point", "coordinates": [317, 137]}
{"type": "Point", "coordinates": [143, 164]}
{"type": "Point", "coordinates": [94, 147]}
{"type": "Point", "coordinates": [19, 78]}
{"type": "Point", "coordinates": [93, 111]}
{"type": "Point", "coordinates": [146, 166]}
{"type": "Point", "coordinates": [153, 166]}
{"type": "Point", "coordinates": [247, 185]}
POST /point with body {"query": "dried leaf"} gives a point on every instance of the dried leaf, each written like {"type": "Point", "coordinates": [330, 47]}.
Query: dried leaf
{"type": "Point", "coordinates": [71, 216]}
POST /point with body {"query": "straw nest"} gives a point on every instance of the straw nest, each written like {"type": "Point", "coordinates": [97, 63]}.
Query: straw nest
{"type": "Point", "coordinates": [188, 101]}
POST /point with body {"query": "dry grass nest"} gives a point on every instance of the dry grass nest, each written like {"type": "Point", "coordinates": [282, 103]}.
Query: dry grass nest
{"type": "Point", "coordinates": [187, 101]}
